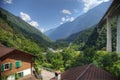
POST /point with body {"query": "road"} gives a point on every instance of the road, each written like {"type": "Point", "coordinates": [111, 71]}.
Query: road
{"type": "Point", "coordinates": [47, 75]}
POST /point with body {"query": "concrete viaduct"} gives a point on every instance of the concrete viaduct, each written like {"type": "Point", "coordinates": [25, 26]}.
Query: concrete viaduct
{"type": "Point", "coordinates": [113, 10]}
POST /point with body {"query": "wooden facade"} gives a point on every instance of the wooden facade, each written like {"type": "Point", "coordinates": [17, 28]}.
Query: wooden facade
{"type": "Point", "coordinates": [12, 57]}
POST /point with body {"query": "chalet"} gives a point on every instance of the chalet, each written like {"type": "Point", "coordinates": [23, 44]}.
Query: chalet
{"type": "Point", "coordinates": [15, 64]}
{"type": "Point", "coordinates": [87, 72]}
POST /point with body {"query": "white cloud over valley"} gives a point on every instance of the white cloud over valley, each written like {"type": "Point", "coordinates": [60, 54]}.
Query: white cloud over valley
{"type": "Point", "coordinates": [8, 1]}
{"type": "Point", "coordinates": [66, 19]}
{"type": "Point", "coordinates": [26, 17]}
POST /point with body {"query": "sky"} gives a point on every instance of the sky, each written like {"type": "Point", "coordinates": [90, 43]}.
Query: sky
{"type": "Point", "coordinates": [48, 14]}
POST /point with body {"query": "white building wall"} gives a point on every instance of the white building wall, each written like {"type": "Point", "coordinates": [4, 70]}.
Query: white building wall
{"type": "Point", "coordinates": [25, 72]}
{"type": "Point", "coordinates": [11, 77]}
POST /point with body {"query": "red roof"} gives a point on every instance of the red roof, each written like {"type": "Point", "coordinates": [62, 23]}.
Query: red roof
{"type": "Point", "coordinates": [87, 72]}
{"type": "Point", "coordinates": [4, 50]}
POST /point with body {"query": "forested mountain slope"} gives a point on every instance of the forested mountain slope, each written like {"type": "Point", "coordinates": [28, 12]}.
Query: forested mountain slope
{"type": "Point", "coordinates": [14, 32]}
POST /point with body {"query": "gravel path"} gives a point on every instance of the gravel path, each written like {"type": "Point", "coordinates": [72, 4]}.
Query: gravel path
{"type": "Point", "coordinates": [47, 75]}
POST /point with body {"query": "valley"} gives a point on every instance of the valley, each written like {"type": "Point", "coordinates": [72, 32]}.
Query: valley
{"type": "Point", "coordinates": [63, 48]}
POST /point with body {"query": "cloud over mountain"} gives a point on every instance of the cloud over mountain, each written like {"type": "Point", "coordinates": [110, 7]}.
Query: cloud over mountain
{"type": "Point", "coordinates": [34, 23]}
{"type": "Point", "coordinates": [89, 4]}
{"type": "Point", "coordinates": [8, 1]}
{"type": "Point", "coordinates": [26, 17]}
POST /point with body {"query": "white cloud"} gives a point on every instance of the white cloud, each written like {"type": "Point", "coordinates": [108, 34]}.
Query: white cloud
{"type": "Point", "coordinates": [72, 19]}
{"type": "Point", "coordinates": [89, 4]}
{"type": "Point", "coordinates": [34, 23]}
{"type": "Point", "coordinates": [69, 19]}
{"type": "Point", "coordinates": [66, 19]}
{"type": "Point", "coordinates": [42, 30]}
{"type": "Point", "coordinates": [25, 16]}
{"type": "Point", "coordinates": [8, 1]}
{"type": "Point", "coordinates": [65, 11]}
{"type": "Point", "coordinates": [63, 19]}
{"type": "Point", "coordinates": [61, 22]}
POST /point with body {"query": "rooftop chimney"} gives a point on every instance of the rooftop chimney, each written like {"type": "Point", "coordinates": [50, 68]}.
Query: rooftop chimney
{"type": "Point", "coordinates": [58, 75]}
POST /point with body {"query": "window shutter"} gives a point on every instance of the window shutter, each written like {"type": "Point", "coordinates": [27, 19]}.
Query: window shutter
{"type": "Point", "coordinates": [10, 66]}
{"type": "Point", "coordinates": [2, 67]}
{"type": "Point", "coordinates": [18, 64]}
{"type": "Point", "coordinates": [22, 74]}
{"type": "Point", "coordinates": [16, 76]}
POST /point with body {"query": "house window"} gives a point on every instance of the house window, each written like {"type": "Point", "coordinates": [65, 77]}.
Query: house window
{"type": "Point", "coordinates": [18, 63]}
{"type": "Point", "coordinates": [6, 66]}
{"type": "Point", "coordinates": [20, 74]}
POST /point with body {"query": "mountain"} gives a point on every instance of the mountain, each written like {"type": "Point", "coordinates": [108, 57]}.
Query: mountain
{"type": "Point", "coordinates": [82, 22]}
{"type": "Point", "coordinates": [49, 31]}
{"type": "Point", "coordinates": [78, 39]}
{"type": "Point", "coordinates": [80, 36]}
{"type": "Point", "coordinates": [14, 32]}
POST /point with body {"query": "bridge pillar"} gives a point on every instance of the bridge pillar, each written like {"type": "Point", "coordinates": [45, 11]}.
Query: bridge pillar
{"type": "Point", "coordinates": [118, 35]}
{"type": "Point", "coordinates": [109, 36]}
